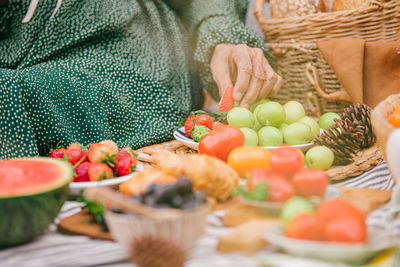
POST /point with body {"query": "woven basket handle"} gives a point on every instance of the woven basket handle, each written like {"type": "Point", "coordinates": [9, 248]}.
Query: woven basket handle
{"type": "Point", "coordinates": [312, 76]}
{"type": "Point", "coordinates": [259, 11]}
{"type": "Point", "coordinates": [313, 104]}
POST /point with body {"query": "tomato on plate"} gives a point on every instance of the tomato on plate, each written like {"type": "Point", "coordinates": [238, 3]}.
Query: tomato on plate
{"type": "Point", "coordinates": [221, 141]}
{"type": "Point", "coordinates": [303, 226]}
{"type": "Point", "coordinates": [244, 159]}
{"type": "Point", "coordinates": [349, 230]}
{"type": "Point", "coordinates": [280, 190]}
{"type": "Point", "coordinates": [338, 208]}
{"type": "Point", "coordinates": [340, 221]}
{"type": "Point", "coordinates": [310, 183]}
{"type": "Point", "coordinates": [286, 160]}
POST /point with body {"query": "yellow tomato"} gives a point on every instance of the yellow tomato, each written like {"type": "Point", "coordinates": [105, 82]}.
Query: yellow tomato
{"type": "Point", "coordinates": [244, 159]}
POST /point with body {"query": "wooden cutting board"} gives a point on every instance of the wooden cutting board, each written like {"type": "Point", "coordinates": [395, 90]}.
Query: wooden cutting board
{"type": "Point", "coordinates": [81, 223]}
{"type": "Point", "coordinates": [247, 237]}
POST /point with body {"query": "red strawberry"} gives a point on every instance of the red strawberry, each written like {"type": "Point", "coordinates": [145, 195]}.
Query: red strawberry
{"type": "Point", "coordinates": [75, 145]}
{"type": "Point", "coordinates": [127, 150]}
{"type": "Point", "coordinates": [58, 153]}
{"type": "Point", "coordinates": [74, 155]}
{"type": "Point", "coordinates": [125, 165]}
{"type": "Point", "coordinates": [111, 145]}
{"type": "Point", "coordinates": [81, 172]}
{"type": "Point", "coordinates": [217, 124]}
{"type": "Point", "coordinates": [204, 120]}
{"type": "Point", "coordinates": [189, 124]}
{"type": "Point", "coordinates": [98, 152]}
{"type": "Point", "coordinates": [227, 102]}
{"type": "Point", "coordinates": [99, 171]}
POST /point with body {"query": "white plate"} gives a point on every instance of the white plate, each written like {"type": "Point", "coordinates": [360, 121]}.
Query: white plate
{"type": "Point", "coordinates": [181, 136]}
{"type": "Point", "coordinates": [76, 187]}
{"type": "Point", "coordinates": [275, 207]}
{"type": "Point", "coordinates": [378, 240]}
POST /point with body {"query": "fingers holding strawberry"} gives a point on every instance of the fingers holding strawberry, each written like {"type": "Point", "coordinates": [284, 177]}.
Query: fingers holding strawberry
{"type": "Point", "coordinates": [227, 102]}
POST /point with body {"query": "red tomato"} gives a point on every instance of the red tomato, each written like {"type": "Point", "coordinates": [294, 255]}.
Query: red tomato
{"type": "Point", "coordinates": [303, 226]}
{"type": "Point", "coordinates": [257, 175]}
{"type": "Point", "coordinates": [286, 160]}
{"type": "Point", "coordinates": [279, 187]}
{"type": "Point", "coordinates": [310, 183]}
{"type": "Point", "coordinates": [221, 141]}
{"type": "Point", "coordinates": [331, 211]}
{"type": "Point", "coordinates": [349, 230]}
{"type": "Point", "coordinates": [338, 209]}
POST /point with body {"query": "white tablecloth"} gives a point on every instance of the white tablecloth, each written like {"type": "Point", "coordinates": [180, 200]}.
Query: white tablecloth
{"type": "Point", "coordinates": [56, 250]}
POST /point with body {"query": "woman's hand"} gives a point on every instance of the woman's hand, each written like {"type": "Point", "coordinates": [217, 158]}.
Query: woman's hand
{"type": "Point", "coordinates": [246, 67]}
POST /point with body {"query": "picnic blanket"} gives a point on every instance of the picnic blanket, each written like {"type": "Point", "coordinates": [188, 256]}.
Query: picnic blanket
{"type": "Point", "coordinates": [57, 250]}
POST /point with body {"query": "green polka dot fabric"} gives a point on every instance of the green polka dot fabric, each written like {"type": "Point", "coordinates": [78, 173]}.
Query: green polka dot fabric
{"type": "Point", "coordinates": [122, 70]}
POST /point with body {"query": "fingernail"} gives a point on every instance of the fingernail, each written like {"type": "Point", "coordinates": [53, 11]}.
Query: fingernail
{"type": "Point", "coordinates": [238, 96]}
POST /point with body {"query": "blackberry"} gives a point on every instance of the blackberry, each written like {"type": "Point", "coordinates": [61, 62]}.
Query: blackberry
{"type": "Point", "coordinates": [166, 195]}
{"type": "Point", "coordinates": [183, 185]}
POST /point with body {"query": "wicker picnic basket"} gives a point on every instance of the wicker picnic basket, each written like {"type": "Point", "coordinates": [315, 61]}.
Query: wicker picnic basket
{"type": "Point", "coordinates": [295, 55]}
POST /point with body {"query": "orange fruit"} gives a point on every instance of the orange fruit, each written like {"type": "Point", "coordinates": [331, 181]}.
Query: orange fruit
{"type": "Point", "coordinates": [395, 118]}
{"type": "Point", "coordinates": [244, 159]}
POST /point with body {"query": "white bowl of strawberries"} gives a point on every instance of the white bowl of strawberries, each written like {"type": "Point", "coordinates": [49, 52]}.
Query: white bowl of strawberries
{"type": "Point", "coordinates": [101, 164]}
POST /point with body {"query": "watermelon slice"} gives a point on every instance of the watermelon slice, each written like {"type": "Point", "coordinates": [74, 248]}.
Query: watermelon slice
{"type": "Point", "coordinates": [32, 191]}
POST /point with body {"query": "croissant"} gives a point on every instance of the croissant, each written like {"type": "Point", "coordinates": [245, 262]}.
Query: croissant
{"type": "Point", "coordinates": [210, 175]}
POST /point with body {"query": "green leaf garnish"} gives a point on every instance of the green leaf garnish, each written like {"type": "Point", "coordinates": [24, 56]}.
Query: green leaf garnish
{"type": "Point", "coordinates": [94, 208]}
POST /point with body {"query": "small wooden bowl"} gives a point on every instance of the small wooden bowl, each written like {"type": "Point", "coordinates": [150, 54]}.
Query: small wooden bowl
{"type": "Point", "coordinates": [380, 121]}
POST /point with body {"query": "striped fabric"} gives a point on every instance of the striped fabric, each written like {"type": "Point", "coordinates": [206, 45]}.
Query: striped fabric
{"type": "Point", "coordinates": [54, 249]}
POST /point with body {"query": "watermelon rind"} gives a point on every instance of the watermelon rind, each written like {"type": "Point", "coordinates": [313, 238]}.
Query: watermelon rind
{"type": "Point", "coordinates": [23, 217]}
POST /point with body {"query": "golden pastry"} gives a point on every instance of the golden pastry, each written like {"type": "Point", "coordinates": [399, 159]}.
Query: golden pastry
{"type": "Point", "coordinates": [168, 162]}
{"type": "Point", "coordinates": [210, 175]}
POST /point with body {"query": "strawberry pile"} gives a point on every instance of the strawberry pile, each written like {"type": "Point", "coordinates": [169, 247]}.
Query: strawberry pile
{"type": "Point", "coordinates": [199, 123]}
{"type": "Point", "coordinates": [103, 160]}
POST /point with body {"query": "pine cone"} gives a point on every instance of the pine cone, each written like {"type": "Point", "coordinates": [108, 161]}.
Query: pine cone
{"type": "Point", "coordinates": [155, 252]}
{"type": "Point", "coordinates": [350, 134]}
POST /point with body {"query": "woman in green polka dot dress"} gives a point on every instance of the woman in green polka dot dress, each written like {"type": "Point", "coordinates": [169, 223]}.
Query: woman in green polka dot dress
{"type": "Point", "coordinates": [83, 70]}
